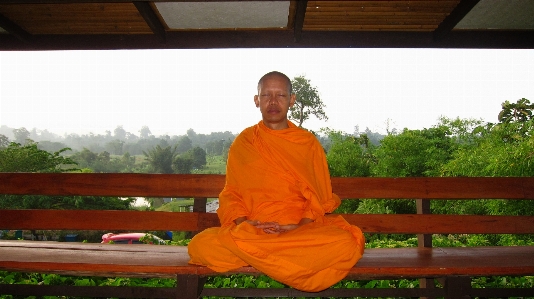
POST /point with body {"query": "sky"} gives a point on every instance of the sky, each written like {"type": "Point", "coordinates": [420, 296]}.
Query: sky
{"type": "Point", "coordinates": [171, 91]}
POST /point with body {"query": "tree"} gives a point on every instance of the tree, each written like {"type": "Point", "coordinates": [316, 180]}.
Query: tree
{"type": "Point", "coordinates": [495, 150]}
{"type": "Point", "coordinates": [119, 133]}
{"type": "Point", "coordinates": [21, 135]}
{"type": "Point", "coordinates": [161, 158]}
{"type": "Point", "coordinates": [349, 156]}
{"type": "Point", "coordinates": [215, 148]}
{"type": "Point", "coordinates": [198, 156]}
{"type": "Point", "coordinates": [115, 147]}
{"type": "Point", "coordinates": [521, 111]}
{"type": "Point", "coordinates": [145, 132]}
{"type": "Point", "coordinates": [308, 101]}
{"type": "Point", "coordinates": [184, 144]}
{"type": "Point", "coordinates": [29, 158]}
{"type": "Point", "coordinates": [414, 153]}
{"type": "Point", "coordinates": [182, 165]}
{"type": "Point", "coordinates": [4, 141]}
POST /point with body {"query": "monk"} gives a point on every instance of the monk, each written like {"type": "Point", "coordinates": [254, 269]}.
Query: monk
{"type": "Point", "coordinates": [272, 208]}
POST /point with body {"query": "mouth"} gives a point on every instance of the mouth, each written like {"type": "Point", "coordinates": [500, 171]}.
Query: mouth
{"type": "Point", "coordinates": [273, 111]}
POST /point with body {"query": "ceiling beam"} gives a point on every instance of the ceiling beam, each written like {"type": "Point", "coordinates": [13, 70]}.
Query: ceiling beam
{"type": "Point", "coordinates": [111, 1]}
{"type": "Point", "coordinates": [14, 29]}
{"type": "Point", "coordinates": [146, 11]}
{"type": "Point", "coordinates": [456, 15]}
{"type": "Point", "coordinates": [300, 13]}
{"type": "Point", "coordinates": [274, 39]}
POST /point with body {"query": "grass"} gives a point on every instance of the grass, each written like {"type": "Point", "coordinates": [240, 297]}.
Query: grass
{"type": "Point", "coordinates": [214, 165]}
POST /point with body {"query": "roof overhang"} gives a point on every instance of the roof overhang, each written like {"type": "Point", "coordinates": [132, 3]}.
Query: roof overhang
{"type": "Point", "coordinates": [120, 24]}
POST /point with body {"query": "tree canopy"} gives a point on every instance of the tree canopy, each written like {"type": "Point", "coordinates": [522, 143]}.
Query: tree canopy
{"type": "Point", "coordinates": [308, 102]}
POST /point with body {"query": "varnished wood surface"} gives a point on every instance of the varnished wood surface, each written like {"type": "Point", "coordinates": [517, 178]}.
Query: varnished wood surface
{"type": "Point", "coordinates": [77, 18]}
{"type": "Point", "coordinates": [185, 221]}
{"type": "Point", "coordinates": [206, 185]}
{"type": "Point", "coordinates": [167, 261]}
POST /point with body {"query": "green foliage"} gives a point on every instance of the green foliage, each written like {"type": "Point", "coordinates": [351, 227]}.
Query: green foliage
{"type": "Point", "coordinates": [21, 135]}
{"type": "Point", "coordinates": [308, 101]}
{"type": "Point", "coordinates": [104, 163]}
{"type": "Point", "coordinates": [184, 144]}
{"type": "Point", "coordinates": [161, 158]}
{"type": "Point", "coordinates": [198, 156]}
{"type": "Point", "coordinates": [182, 164]}
{"type": "Point", "coordinates": [215, 148]}
{"type": "Point", "coordinates": [65, 202]}
{"type": "Point", "coordinates": [414, 153]}
{"type": "Point", "coordinates": [29, 158]}
{"type": "Point", "coordinates": [496, 150]}
{"type": "Point", "coordinates": [521, 111]}
{"type": "Point", "coordinates": [4, 141]}
{"type": "Point", "coordinates": [349, 156]}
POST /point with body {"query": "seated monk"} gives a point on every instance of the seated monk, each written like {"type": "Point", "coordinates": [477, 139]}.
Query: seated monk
{"type": "Point", "coordinates": [272, 208]}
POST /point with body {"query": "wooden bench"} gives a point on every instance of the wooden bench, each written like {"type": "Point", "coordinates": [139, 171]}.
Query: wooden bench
{"type": "Point", "coordinates": [453, 267]}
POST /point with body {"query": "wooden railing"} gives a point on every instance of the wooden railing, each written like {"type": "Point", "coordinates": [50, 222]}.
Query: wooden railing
{"type": "Point", "coordinates": [455, 266]}
{"type": "Point", "coordinates": [203, 186]}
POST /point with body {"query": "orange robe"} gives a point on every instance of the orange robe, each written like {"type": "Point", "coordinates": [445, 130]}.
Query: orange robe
{"type": "Point", "coordinates": [281, 176]}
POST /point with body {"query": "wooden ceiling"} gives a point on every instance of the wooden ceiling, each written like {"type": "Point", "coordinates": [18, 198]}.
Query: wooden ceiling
{"type": "Point", "coordinates": [140, 24]}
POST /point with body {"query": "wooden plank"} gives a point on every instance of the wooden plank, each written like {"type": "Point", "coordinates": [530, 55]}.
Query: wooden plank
{"type": "Point", "coordinates": [181, 221]}
{"type": "Point", "coordinates": [431, 3]}
{"type": "Point", "coordinates": [142, 261]}
{"type": "Point", "coordinates": [100, 220]}
{"type": "Point", "coordinates": [435, 188]}
{"type": "Point", "coordinates": [276, 38]}
{"type": "Point", "coordinates": [180, 185]}
{"type": "Point", "coordinates": [77, 18]}
{"type": "Point", "coordinates": [410, 9]}
{"type": "Point", "coordinates": [442, 224]}
{"type": "Point", "coordinates": [88, 291]}
{"type": "Point", "coordinates": [14, 29]}
{"type": "Point", "coordinates": [328, 293]}
{"type": "Point", "coordinates": [112, 184]}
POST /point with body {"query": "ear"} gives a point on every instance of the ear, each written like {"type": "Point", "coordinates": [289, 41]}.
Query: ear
{"type": "Point", "coordinates": [256, 101]}
{"type": "Point", "coordinates": [292, 100]}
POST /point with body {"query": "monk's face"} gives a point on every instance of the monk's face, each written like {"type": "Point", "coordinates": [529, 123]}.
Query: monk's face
{"type": "Point", "coordinates": [274, 101]}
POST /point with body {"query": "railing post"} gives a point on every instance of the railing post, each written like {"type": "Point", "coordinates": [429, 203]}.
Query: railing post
{"type": "Point", "coordinates": [199, 206]}
{"type": "Point", "coordinates": [424, 241]}
{"type": "Point", "coordinates": [189, 286]}
{"type": "Point", "coordinates": [457, 287]}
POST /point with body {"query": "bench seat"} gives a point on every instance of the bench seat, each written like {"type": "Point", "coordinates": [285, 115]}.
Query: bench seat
{"type": "Point", "coordinates": [140, 260]}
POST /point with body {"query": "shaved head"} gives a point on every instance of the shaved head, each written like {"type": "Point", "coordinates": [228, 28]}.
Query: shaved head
{"type": "Point", "coordinates": [278, 74]}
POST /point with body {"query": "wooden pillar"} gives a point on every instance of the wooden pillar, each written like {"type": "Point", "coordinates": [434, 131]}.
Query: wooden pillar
{"type": "Point", "coordinates": [457, 287]}
{"type": "Point", "coordinates": [189, 286]}
{"type": "Point", "coordinates": [199, 206]}
{"type": "Point", "coordinates": [424, 241]}
{"type": "Point", "coordinates": [423, 207]}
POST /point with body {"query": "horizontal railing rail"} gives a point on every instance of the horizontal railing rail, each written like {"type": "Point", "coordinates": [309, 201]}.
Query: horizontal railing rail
{"type": "Point", "coordinates": [202, 186]}
{"type": "Point", "coordinates": [210, 185]}
{"type": "Point", "coordinates": [187, 221]}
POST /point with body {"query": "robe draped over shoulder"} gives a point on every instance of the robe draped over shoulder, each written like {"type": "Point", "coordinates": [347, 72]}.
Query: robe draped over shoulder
{"type": "Point", "coordinates": [280, 176]}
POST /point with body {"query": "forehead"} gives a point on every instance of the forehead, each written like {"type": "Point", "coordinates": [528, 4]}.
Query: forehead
{"type": "Point", "coordinates": [274, 81]}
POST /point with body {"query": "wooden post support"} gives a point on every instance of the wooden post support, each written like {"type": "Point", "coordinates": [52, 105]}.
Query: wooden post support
{"type": "Point", "coordinates": [199, 204]}
{"type": "Point", "coordinates": [457, 287]}
{"type": "Point", "coordinates": [423, 207]}
{"type": "Point", "coordinates": [189, 286]}
{"type": "Point", "coordinates": [424, 240]}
